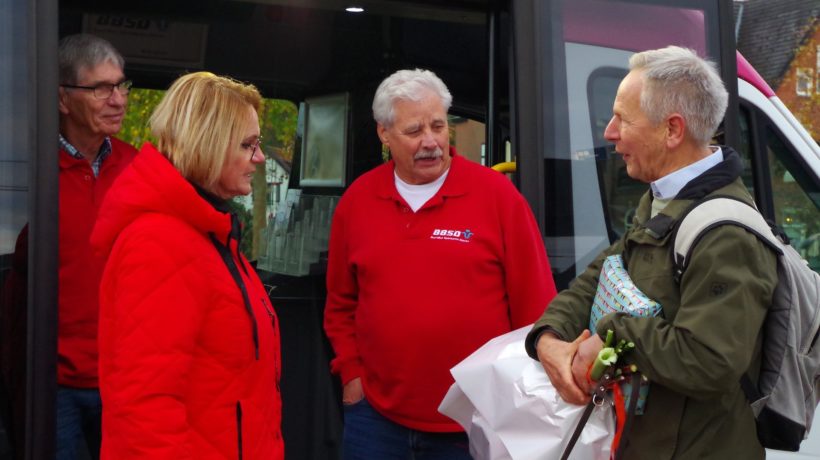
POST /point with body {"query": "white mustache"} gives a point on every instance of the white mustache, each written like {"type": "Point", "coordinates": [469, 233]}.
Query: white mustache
{"type": "Point", "coordinates": [424, 154]}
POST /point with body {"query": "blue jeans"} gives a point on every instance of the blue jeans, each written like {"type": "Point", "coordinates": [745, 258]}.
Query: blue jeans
{"type": "Point", "coordinates": [370, 436]}
{"type": "Point", "coordinates": [79, 418]}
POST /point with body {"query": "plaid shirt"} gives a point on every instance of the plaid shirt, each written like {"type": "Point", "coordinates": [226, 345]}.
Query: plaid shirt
{"type": "Point", "coordinates": [105, 150]}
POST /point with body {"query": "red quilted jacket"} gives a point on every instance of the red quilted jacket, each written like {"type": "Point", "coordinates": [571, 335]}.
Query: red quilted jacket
{"type": "Point", "coordinates": [189, 343]}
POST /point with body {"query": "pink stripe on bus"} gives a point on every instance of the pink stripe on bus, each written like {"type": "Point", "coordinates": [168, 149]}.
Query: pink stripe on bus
{"type": "Point", "coordinates": [746, 72]}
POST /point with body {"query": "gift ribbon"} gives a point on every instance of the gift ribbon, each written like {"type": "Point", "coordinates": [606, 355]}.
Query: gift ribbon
{"type": "Point", "coordinates": [620, 419]}
{"type": "Point", "coordinates": [623, 415]}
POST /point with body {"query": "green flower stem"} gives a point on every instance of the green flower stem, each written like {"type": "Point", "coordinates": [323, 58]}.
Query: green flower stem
{"type": "Point", "coordinates": [610, 336]}
{"type": "Point", "coordinates": [606, 357]}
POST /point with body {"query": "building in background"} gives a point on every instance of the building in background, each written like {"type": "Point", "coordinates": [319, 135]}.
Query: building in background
{"type": "Point", "coordinates": [781, 39]}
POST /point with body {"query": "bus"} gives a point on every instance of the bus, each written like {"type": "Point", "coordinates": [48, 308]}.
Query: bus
{"type": "Point", "coordinates": [533, 84]}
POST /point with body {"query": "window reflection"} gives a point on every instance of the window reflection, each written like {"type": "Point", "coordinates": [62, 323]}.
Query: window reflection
{"type": "Point", "coordinates": [14, 195]}
{"type": "Point", "coordinates": [467, 136]}
{"type": "Point", "coordinates": [277, 120]}
{"type": "Point", "coordinates": [795, 195]}
{"type": "Point", "coordinates": [796, 200]}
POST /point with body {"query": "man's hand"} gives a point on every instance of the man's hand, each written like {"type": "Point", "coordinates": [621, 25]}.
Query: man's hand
{"type": "Point", "coordinates": [584, 357]}
{"type": "Point", "coordinates": [352, 392]}
{"type": "Point", "coordinates": [556, 356]}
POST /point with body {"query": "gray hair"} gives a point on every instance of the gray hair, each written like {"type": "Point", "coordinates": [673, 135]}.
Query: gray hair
{"type": "Point", "coordinates": [408, 85]}
{"type": "Point", "coordinates": [678, 80]}
{"type": "Point", "coordinates": [84, 51]}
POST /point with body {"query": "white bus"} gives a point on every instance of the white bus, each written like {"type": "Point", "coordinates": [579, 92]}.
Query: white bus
{"type": "Point", "coordinates": [533, 83]}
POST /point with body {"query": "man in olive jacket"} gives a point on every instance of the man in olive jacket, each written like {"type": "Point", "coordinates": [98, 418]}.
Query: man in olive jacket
{"type": "Point", "coordinates": [709, 331]}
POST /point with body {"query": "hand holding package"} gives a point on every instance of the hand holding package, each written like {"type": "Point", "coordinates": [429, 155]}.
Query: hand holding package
{"type": "Point", "coordinates": [510, 410]}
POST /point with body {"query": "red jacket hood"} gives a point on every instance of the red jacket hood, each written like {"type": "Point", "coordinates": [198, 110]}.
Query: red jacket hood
{"type": "Point", "coordinates": [145, 187]}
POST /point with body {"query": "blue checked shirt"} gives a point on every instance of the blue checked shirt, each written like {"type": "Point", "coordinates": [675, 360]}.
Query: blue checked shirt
{"type": "Point", "coordinates": [105, 150]}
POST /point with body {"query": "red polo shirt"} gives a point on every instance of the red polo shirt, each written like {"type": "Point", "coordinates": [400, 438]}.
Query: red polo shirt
{"type": "Point", "coordinates": [412, 294]}
{"type": "Point", "coordinates": [80, 269]}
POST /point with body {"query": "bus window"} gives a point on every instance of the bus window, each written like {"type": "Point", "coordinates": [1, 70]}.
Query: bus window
{"type": "Point", "coordinates": [588, 197]}
{"type": "Point", "coordinates": [16, 158]}
{"type": "Point", "coordinates": [467, 136]}
{"type": "Point", "coordinates": [277, 120]}
{"type": "Point", "coordinates": [619, 192]}
{"type": "Point", "coordinates": [795, 196]}
{"type": "Point", "coordinates": [744, 148]}
{"type": "Point", "coordinates": [602, 195]}
{"type": "Point", "coordinates": [796, 199]}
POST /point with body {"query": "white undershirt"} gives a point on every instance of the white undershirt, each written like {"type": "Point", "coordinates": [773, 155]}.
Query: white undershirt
{"type": "Point", "coordinates": [417, 195]}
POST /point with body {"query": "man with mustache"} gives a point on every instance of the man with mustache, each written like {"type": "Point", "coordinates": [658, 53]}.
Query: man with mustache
{"type": "Point", "coordinates": [93, 96]}
{"type": "Point", "coordinates": [431, 255]}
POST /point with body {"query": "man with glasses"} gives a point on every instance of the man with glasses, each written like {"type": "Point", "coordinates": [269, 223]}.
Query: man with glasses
{"type": "Point", "coordinates": [93, 96]}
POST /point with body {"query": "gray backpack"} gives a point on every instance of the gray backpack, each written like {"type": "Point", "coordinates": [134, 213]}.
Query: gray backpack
{"type": "Point", "coordinates": [786, 394]}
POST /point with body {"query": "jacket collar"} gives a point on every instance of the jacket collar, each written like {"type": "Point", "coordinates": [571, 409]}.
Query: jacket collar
{"type": "Point", "coordinates": [718, 176]}
{"type": "Point", "coordinates": [218, 203]}
{"type": "Point", "coordinates": [223, 206]}
{"type": "Point", "coordinates": [109, 155]}
{"type": "Point", "coordinates": [151, 184]}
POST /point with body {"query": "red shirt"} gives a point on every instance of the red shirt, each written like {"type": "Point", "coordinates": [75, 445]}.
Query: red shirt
{"type": "Point", "coordinates": [80, 269]}
{"type": "Point", "coordinates": [412, 294]}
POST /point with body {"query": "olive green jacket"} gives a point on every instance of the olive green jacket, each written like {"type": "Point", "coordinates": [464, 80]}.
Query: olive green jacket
{"type": "Point", "coordinates": [706, 337]}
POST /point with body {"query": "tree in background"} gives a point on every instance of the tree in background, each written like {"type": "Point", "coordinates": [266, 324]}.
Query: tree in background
{"type": "Point", "coordinates": [277, 123]}
{"type": "Point", "coordinates": [277, 120]}
{"type": "Point", "coordinates": [141, 104]}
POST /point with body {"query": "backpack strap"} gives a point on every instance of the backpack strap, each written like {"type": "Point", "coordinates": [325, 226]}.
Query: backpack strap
{"type": "Point", "coordinates": [712, 212]}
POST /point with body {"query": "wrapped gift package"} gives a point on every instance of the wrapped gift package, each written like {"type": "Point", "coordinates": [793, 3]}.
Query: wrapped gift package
{"type": "Point", "coordinates": [510, 410]}
{"type": "Point", "coordinates": [617, 293]}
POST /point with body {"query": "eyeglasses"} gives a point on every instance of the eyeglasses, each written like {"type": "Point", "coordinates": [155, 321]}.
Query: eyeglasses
{"type": "Point", "coordinates": [252, 146]}
{"type": "Point", "coordinates": [105, 90]}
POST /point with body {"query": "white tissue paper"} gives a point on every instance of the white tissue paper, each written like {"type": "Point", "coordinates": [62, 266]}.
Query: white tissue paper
{"type": "Point", "coordinates": [510, 410]}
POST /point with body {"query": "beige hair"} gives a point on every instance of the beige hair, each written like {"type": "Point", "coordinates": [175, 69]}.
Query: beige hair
{"type": "Point", "coordinates": [410, 85]}
{"type": "Point", "coordinates": [201, 116]}
{"type": "Point", "coordinates": [678, 80]}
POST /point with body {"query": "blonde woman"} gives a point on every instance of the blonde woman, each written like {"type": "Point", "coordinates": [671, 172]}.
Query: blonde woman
{"type": "Point", "coordinates": [189, 342]}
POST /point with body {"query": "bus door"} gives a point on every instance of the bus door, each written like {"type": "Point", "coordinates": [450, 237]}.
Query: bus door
{"type": "Point", "coordinates": [570, 56]}
{"type": "Point", "coordinates": [782, 164]}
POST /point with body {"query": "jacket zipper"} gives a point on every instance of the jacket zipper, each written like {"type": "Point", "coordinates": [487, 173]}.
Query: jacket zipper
{"type": "Point", "coordinates": [239, 428]}
{"type": "Point", "coordinates": [227, 259]}
{"type": "Point", "coordinates": [269, 309]}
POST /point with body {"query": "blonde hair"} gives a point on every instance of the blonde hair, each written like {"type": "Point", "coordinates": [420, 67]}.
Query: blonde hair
{"type": "Point", "coordinates": [201, 116]}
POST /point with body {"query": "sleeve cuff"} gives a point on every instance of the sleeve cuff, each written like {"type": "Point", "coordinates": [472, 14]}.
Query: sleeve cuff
{"type": "Point", "coordinates": [533, 337]}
